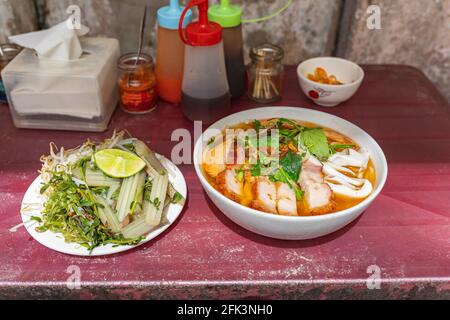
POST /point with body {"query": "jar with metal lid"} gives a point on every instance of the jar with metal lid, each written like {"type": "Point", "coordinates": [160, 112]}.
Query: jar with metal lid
{"type": "Point", "coordinates": [7, 53]}
{"type": "Point", "coordinates": [137, 83]}
{"type": "Point", "coordinates": [265, 73]}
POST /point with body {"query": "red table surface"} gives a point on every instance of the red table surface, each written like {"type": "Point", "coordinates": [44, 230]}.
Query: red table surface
{"type": "Point", "coordinates": [406, 232]}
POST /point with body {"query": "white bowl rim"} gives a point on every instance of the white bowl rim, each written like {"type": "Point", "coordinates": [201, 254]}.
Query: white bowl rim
{"type": "Point", "coordinates": [345, 85]}
{"type": "Point", "coordinates": [265, 215]}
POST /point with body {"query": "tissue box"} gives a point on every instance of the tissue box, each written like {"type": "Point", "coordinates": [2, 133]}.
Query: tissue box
{"type": "Point", "coordinates": [78, 95]}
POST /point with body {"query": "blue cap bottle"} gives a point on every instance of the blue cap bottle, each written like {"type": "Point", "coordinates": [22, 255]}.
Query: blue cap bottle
{"type": "Point", "coordinates": [170, 56]}
{"type": "Point", "coordinates": [169, 16]}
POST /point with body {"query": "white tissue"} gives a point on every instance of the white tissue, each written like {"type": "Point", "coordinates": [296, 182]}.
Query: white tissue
{"type": "Point", "coordinates": [60, 42]}
{"type": "Point", "coordinates": [85, 88]}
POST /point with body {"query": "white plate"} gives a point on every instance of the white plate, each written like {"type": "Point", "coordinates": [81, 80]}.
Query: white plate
{"type": "Point", "coordinates": [33, 203]}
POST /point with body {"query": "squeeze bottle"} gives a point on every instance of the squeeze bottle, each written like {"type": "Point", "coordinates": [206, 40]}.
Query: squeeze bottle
{"type": "Point", "coordinates": [170, 56]}
{"type": "Point", "coordinates": [205, 90]}
{"type": "Point", "coordinates": [230, 18]}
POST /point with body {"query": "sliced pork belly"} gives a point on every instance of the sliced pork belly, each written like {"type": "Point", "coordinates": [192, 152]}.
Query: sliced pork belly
{"type": "Point", "coordinates": [215, 159]}
{"type": "Point", "coordinates": [311, 171]}
{"type": "Point", "coordinates": [286, 200]}
{"type": "Point", "coordinates": [229, 184]}
{"type": "Point", "coordinates": [319, 198]}
{"type": "Point", "coordinates": [265, 193]}
{"type": "Point", "coordinates": [318, 195]}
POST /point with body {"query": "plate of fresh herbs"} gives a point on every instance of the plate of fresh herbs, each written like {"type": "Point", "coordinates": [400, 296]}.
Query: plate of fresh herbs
{"type": "Point", "coordinates": [103, 198]}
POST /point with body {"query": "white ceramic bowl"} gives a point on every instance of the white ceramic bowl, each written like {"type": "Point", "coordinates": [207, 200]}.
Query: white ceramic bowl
{"type": "Point", "coordinates": [327, 95]}
{"type": "Point", "coordinates": [284, 227]}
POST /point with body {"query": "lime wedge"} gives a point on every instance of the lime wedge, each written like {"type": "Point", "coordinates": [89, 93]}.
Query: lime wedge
{"type": "Point", "coordinates": [117, 163]}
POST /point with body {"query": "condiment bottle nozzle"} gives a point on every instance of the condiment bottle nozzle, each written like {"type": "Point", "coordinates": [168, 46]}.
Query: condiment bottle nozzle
{"type": "Point", "coordinates": [203, 32]}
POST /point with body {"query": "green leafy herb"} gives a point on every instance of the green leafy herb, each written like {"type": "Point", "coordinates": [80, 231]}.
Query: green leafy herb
{"type": "Point", "coordinates": [282, 176]}
{"type": "Point", "coordinates": [177, 198]}
{"type": "Point", "coordinates": [103, 191]}
{"type": "Point", "coordinates": [82, 164]}
{"type": "Point", "coordinates": [86, 203]}
{"type": "Point", "coordinates": [115, 195]}
{"type": "Point", "coordinates": [255, 169]}
{"type": "Point", "coordinates": [335, 147]}
{"type": "Point", "coordinates": [289, 172]}
{"type": "Point", "coordinates": [299, 193]}
{"type": "Point", "coordinates": [282, 121]}
{"type": "Point", "coordinates": [211, 141]}
{"type": "Point", "coordinates": [37, 219]}
{"type": "Point", "coordinates": [134, 204]}
{"type": "Point", "coordinates": [147, 190]}
{"type": "Point", "coordinates": [292, 164]}
{"type": "Point", "coordinates": [257, 125]}
{"type": "Point", "coordinates": [130, 147]}
{"type": "Point", "coordinates": [289, 134]}
{"type": "Point", "coordinates": [156, 203]}
{"type": "Point", "coordinates": [316, 142]}
{"type": "Point", "coordinates": [44, 188]}
{"type": "Point", "coordinates": [71, 211]}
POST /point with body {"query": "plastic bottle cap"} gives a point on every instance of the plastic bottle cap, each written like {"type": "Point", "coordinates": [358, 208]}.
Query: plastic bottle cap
{"type": "Point", "coordinates": [169, 16]}
{"type": "Point", "coordinates": [202, 32]}
{"type": "Point", "coordinates": [226, 14]}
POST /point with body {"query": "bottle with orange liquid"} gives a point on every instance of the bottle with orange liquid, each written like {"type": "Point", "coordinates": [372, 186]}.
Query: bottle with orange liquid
{"type": "Point", "coordinates": [170, 57]}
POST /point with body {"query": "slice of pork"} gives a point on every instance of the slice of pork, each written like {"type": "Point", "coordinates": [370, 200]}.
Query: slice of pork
{"type": "Point", "coordinates": [265, 193]}
{"type": "Point", "coordinates": [286, 200]}
{"type": "Point", "coordinates": [318, 196]}
{"type": "Point", "coordinates": [230, 185]}
{"type": "Point", "coordinates": [216, 158]}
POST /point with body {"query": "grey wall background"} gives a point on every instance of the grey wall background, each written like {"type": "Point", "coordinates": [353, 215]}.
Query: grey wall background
{"type": "Point", "coordinates": [414, 32]}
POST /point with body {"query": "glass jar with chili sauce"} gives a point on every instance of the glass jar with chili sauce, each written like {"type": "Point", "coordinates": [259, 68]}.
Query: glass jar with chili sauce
{"type": "Point", "coordinates": [137, 83]}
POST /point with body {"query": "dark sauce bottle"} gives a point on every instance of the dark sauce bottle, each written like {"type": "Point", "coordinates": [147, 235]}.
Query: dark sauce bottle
{"type": "Point", "coordinates": [230, 18]}
{"type": "Point", "coordinates": [206, 110]}
{"type": "Point", "coordinates": [234, 60]}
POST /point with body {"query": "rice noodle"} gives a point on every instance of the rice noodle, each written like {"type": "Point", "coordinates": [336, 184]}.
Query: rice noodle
{"type": "Point", "coordinates": [331, 172]}
{"type": "Point", "coordinates": [343, 190]}
{"type": "Point", "coordinates": [351, 158]}
{"type": "Point", "coordinates": [342, 184]}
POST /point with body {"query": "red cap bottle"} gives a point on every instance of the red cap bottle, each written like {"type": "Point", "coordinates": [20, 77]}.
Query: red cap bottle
{"type": "Point", "coordinates": [203, 32]}
{"type": "Point", "coordinates": [205, 89]}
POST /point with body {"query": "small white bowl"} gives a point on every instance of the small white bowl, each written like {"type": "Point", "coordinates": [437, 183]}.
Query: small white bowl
{"type": "Point", "coordinates": [284, 227]}
{"type": "Point", "coordinates": [327, 95]}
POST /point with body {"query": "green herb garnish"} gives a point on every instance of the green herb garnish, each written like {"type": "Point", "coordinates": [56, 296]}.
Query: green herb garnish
{"type": "Point", "coordinates": [257, 125]}
{"type": "Point", "coordinates": [282, 176]}
{"type": "Point", "coordinates": [71, 211]}
{"type": "Point", "coordinates": [255, 169]}
{"type": "Point", "coordinates": [211, 141]}
{"type": "Point", "coordinates": [130, 147]}
{"type": "Point", "coordinates": [292, 165]}
{"type": "Point", "coordinates": [335, 147]}
{"type": "Point", "coordinates": [156, 203]}
{"type": "Point", "coordinates": [177, 198]}
{"type": "Point", "coordinates": [316, 142]}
